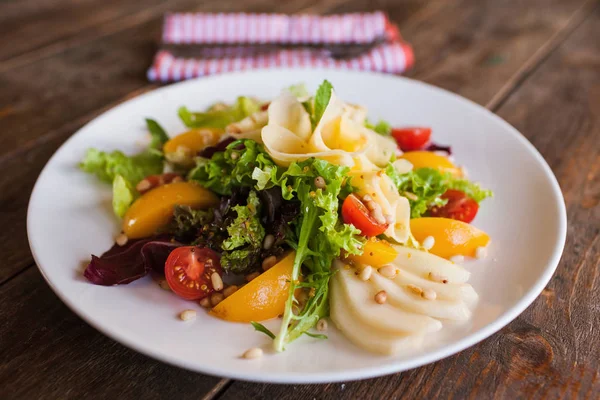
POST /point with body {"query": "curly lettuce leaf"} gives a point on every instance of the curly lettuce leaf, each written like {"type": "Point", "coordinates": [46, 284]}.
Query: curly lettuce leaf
{"type": "Point", "coordinates": [242, 108]}
{"type": "Point", "coordinates": [232, 168]}
{"type": "Point", "coordinates": [320, 236]}
{"type": "Point", "coordinates": [424, 187]}
{"type": "Point", "coordinates": [106, 166]}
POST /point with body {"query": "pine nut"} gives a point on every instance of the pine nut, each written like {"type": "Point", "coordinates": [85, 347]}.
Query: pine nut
{"type": "Point", "coordinates": [251, 276]}
{"type": "Point", "coordinates": [253, 353]}
{"type": "Point", "coordinates": [437, 277]}
{"type": "Point", "coordinates": [320, 182]}
{"type": "Point", "coordinates": [204, 302]}
{"type": "Point", "coordinates": [122, 239]}
{"type": "Point", "coordinates": [143, 185]}
{"type": "Point", "coordinates": [411, 196]}
{"type": "Point", "coordinates": [389, 271]}
{"type": "Point", "coordinates": [457, 259]}
{"type": "Point", "coordinates": [217, 282]}
{"type": "Point", "coordinates": [428, 242]}
{"type": "Point", "coordinates": [268, 242]}
{"type": "Point", "coordinates": [234, 155]}
{"type": "Point", "coordinates": [269, 262]}
{"type": "Point", "coordinates": [177, 179]}
{"type": "Point", "coordinates": [429, 294]}
{"type": "Point", "coordinates": [322, 325]}
{"type": "Point", "coordinates": [381, 297]}
{"type": "Point", "coordinates": [365, 273]}
{"type": "Point", "coordinates": [415, 289]}
{"type": "Point", "coordinates": [481, 253]}
{"type": "Point", "coordinates": [164, 284]}
{"type": "Point", "coordinates": [216, 298]}
{"type": "Point", "coordinates": [187, 315]}
{"type": "Point", "coordinates": [228, 291]}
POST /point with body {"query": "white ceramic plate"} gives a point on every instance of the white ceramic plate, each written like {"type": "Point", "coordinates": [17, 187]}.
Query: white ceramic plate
{"type": "Point", "coordinates": [70, 217]}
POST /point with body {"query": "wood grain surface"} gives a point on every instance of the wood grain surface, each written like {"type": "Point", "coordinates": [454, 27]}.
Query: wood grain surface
{"type": "Point", "coordinates": [536, 63]}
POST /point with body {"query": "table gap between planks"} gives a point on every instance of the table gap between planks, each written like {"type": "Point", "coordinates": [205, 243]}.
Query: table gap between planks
{"type": "Point", "coordinates": [535, 63]}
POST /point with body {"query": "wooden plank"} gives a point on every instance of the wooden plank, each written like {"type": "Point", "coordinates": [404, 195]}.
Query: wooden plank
{"type": "Point", "coordinates": [48, 352]}
{"type": "Point", "coordinates": [552, 349]}
{"type": "Point", "coordinates": [27, 25]}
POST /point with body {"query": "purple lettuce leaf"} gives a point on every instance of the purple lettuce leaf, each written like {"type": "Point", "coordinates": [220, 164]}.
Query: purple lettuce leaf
{"type": "Point", "coordinates": [124, 264]}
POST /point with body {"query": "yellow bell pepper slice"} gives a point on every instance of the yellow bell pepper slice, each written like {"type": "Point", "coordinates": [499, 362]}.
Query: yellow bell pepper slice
{"type": "Point", "coordinates": [154, 209]}
{"type": "Point", "coordinates": [376, 253]}
{"type": "Point", "coordinates": [452, 237]}
{"type": "Point", "coordinates": [262, 298]}
{"type": "Point", "coordinates": [428, 159]}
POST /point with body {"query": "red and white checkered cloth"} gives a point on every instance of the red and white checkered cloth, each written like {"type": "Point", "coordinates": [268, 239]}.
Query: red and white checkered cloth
{"type": "Point", "coordinates": [235, 31]}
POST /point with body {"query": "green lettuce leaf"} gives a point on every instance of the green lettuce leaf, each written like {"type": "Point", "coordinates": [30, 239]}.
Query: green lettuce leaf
{"type": "Point", "coordinates": [242, 108]}
{"type": "Point", "coordinates": [223, 172]}
{"type": "Point", "coordinates": [424, 187]}
{"type": "Point", "coordinates": [158, 134]}
{"type": "Point", "coordinates": [321, 236]}
{"type": "Point", "coordinates": [123, 195]}
{"type": "Point", "coordinates": [106, 166]}
{"type": "Point", "coordinates": [321, 101]}
{"type": "Point", "coordinates": [382, 127]}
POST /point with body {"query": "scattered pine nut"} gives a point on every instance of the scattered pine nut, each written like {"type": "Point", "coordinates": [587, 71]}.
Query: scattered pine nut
{"type": "Point", "coordinates": [204, 302]}
{"type": "Point", "coordinates": [253, 353]}
{"type": "Point", "coordinates": [234, 155]}
{"type": "Point", "coordinates": [457, 259]}
{"type": "Point", "coordinates": [268, 241]}
{"type": "Point", "coordinates": [216, 298]}
{"type": "Point", "coordinates": [187, 315]}
{"type": "Point", "coordinates": [269, 262]}
{"type": "Point", "coordinates": [365, 273]}
{"type": "Point", "coordinates": [217, 282]}
{"type": "Point", "coordinates": [177, 179]}
{"type": "Point", "coordinates": [389, 271]}
{"type": "Point", "coordinates": [428, 242]}
{"type": "Point", "coordinates": [228, 291]}
{"type": "Point", "coordinates": [322, 325]}
{"type": "Point", "coordinates": [437, 277]}
{"type": "Point", "coordinates": [251, 276]}
{"type": "Point", "coordinates": [481, 253]}
{"type": "Point", "coordinates": [320, 182]}
{"type": "Point", "coordinates": [143, 185]}
{"type": "Point", "coordinates": [164, 284]}
{"type": "Point", "coordinates": [429, 294]}
{"type": "Point", "coordinates": [122, 239]}
{"type": "Point", "coordinates": [381, 297]}
{"type": "Point", "coordinates": [415, 289]}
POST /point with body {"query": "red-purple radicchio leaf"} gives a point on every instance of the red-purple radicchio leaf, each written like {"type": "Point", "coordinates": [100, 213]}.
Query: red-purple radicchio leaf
{"type": "Point", "coordinates": [123, 264]}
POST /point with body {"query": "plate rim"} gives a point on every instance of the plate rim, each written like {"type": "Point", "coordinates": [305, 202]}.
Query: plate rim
{"type": "Point", "coordinates": [390, 366]}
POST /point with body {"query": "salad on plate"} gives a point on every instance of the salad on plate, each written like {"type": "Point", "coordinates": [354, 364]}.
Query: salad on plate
{"type": "Point", "coordinates": [299, 210]}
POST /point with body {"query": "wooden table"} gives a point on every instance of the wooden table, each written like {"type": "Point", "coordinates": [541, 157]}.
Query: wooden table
{"type": "Point", "coordinates": [536, 63]}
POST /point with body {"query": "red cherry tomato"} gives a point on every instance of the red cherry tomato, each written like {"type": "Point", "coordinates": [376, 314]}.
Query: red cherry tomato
{"type": "Point", "coordinates": [188, 271]}
{"type": "Point", "coordinates": [410, 139]}
{"type": "Point", "coordinates": [356, 213]}
{"type": "Point", "coordinates": [459, 207]}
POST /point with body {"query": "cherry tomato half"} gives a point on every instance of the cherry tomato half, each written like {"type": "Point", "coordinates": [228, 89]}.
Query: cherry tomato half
{"type": "Point", "coordinates": [356, 213]}
{"type": "Point", "coordinates": [410, 139]}
{"type": "Point", "coordinates": [459, 207]}
{"type": "Point", "coordinates": [188, 271]}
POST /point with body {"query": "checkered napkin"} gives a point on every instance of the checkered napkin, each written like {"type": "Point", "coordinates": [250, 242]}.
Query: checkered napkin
{"type": "Point", "coordinates": [195, 45]}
